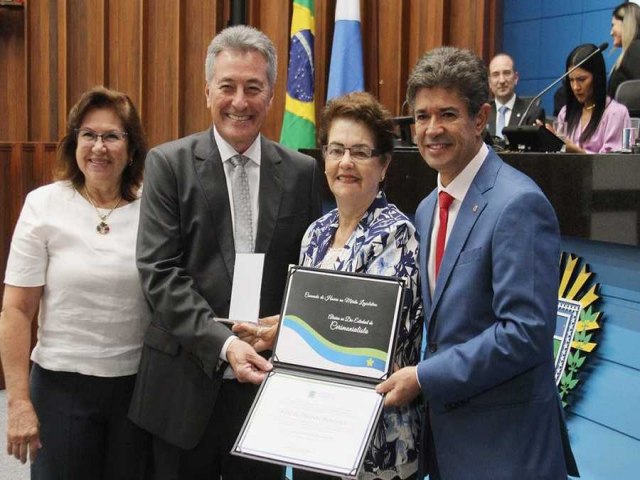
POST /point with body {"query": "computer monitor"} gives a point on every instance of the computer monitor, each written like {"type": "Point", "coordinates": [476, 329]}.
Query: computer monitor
{"type": "Point", "coordinates": [532, 138]}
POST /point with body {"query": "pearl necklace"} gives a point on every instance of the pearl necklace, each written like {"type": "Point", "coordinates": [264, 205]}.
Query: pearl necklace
{"type": "Point", "coordinates": [103, 227]}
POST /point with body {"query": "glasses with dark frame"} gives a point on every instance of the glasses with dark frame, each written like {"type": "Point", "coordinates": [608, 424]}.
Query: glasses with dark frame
{"type": "Point", "coordinates": [357, 153]}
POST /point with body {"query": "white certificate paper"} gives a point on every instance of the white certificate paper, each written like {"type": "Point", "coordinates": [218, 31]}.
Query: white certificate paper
{"type": "Point", "coordinates": [245, 290]}
{"type": "Point", "coordinates": [316, 424]}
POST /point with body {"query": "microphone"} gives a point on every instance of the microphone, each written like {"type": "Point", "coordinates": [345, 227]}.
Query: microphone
{"type": "Point", "coordinates": [602, 47]}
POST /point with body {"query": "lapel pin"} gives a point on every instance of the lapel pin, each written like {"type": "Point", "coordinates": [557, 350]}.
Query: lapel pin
{"type": "Point", "coordinates": [475, 208]}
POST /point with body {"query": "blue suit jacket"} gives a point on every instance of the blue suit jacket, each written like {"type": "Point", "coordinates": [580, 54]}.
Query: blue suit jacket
{"type": "Point", "coordinates": [487, 374]}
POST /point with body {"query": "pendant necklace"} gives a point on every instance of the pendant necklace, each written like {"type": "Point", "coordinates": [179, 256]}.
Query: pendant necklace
{"type": "Point", "coordinates": [103, 227]}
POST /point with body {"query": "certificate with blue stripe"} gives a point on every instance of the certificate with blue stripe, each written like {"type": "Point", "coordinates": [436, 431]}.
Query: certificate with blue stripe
{"type": "Point", "coordinates": [318, 408]}
{"type": "Point", "coordinates": [339, 322]}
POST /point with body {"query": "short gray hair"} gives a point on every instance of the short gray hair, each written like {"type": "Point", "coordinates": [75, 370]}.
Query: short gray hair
{"type": "Point", "coordinates": [451, 68]}
{"type": "Point", "coordinates": [244, 39]}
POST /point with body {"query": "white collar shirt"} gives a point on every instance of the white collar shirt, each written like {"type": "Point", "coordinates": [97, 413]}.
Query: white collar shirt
{"type": "Point", "coordinates": [458, 189]}
{"type": "Point", "coordinates": [252, 168]}
{"type": "Point", "coordinates": [509, 105]}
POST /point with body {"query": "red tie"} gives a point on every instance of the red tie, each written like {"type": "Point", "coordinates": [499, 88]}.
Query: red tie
{"type": "Point", "coordinates": [444, 202]}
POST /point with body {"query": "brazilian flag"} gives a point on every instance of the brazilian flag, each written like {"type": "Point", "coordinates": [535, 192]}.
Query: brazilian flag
{"type": "Point", "coordinates": [299, 123]}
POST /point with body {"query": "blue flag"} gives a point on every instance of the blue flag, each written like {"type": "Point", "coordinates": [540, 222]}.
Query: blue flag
{"type": "Point", "coordinates": [346, 73]}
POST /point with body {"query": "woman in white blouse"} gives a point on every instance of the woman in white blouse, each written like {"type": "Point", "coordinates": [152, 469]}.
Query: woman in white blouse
{"type": "Point", "coordinates": [72, 258]}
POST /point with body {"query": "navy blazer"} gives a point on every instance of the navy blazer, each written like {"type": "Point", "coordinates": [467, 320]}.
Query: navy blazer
{"type": "Point", "coordinates": [487, 373]}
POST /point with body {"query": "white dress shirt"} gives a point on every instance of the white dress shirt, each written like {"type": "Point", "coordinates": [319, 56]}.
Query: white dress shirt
{"type": "Point", "coordinates": [458, 189]}
{"type": "Point", "coordinates": [507, 114]}
{"type": "Point", "coordinates": [252, 167]}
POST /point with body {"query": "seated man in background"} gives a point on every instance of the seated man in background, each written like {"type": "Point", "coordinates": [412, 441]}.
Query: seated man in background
{"type": "Point", "coordinates": [507, 108]}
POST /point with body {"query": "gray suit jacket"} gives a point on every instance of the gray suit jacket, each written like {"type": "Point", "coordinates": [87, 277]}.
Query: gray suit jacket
{"type": "Point", "coordinates": [519, 108]}
{"type": "Point", "coordinates": [186, 255]}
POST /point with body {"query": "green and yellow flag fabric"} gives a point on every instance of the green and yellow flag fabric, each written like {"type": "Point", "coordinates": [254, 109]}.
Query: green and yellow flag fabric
{"type": "Point", "coordinates": [299, 123]}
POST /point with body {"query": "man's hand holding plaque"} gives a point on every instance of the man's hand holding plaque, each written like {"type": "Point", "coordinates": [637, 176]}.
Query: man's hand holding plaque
{"type": "Point", "coordinates": [261, 336]}
{"type": "Point", "coordinates": [334, 342]}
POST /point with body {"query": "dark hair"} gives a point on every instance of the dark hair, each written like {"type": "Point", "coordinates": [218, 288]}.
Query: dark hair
{"type": "Point", "coordinates": [361, 107]}
{"type": "Point", "coordinates": [595, 66]}
{"type": "Point", "coordinates": [629, 14]}
{"type": "Point", "coordinates": [98, 98]}
{"type": "Point", "coordinates": [451, 68]}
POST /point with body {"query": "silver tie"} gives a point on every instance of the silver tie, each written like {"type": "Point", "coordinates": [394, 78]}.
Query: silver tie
{"type": "Point", "coordinates": [243, 226]}
{"type": "Point", "coordinates": [500, 123]}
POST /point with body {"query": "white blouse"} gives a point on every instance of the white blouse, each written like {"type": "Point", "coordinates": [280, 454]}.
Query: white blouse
{"type": "Point", "coordinates": [93, 314]}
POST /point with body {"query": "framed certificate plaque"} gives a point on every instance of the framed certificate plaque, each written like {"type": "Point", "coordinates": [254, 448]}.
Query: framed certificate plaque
{"type": "Point", "coordinates": [318, 408]}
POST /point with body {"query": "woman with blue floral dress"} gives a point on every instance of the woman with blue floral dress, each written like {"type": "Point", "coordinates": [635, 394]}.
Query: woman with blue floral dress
{"type": "Point", "coordinates": [365, 234]}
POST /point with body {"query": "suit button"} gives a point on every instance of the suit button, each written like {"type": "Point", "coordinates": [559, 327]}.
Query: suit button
{"type": "Point", "coordinates": [433, 347]}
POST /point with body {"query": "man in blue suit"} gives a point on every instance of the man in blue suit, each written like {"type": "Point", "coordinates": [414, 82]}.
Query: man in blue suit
{"type": "Point", "coordinates": [490, 280]}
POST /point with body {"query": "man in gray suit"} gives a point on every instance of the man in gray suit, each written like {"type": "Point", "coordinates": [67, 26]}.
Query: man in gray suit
{"type": "Point", "coordinates": [194, 218]}
{"type": "Point", "coordinates": [507, 108]}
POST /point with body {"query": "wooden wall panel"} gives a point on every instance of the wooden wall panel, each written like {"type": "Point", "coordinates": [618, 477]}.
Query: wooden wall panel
{"type": "Point", "coordinates": [61, 67]}
{"type": "Point", "coordinates": [391, 42]}
{"type": "Point", "coordinates": [466, 31]}
{"type": "Point", "coordinates": [154, 50]}
{"type": "Point", "coordinates": [462, 22]}
{"type": "Point", "coordinates": [274, 19]}
{"type": "Point", "coordinates": [6, 226]}
{"type": "Point", "coordinates": [85, 46]}
{"type": "Point", "coordinates": [369, 15]}
{"type": "Point", "coordinates": [13, 117]}
{"type": "Point", "coordinates": [124, 48]}
{"type": "Point", "coordinates": [42, 81]}
{"type": "Point", "coordinates": [161, 89]}
{"type": "Point", "coordinates": [428, 22]}
{"type": "Point", "coordinates": [29, 166]}
{"type": "Point", "coordinates": [494, 29]}
{"type": "Point", "coordinates": [201, 21]}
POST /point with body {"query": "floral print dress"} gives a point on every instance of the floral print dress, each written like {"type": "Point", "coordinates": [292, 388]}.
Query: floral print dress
{"type": "Point", "coordinates": [384, 243]}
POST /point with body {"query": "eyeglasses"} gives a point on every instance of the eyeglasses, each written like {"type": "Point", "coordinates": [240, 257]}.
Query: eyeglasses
{"type": "Point", "coordinates": [358, 153]}
{"type": "Point", "coordinates": [88, 136]}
